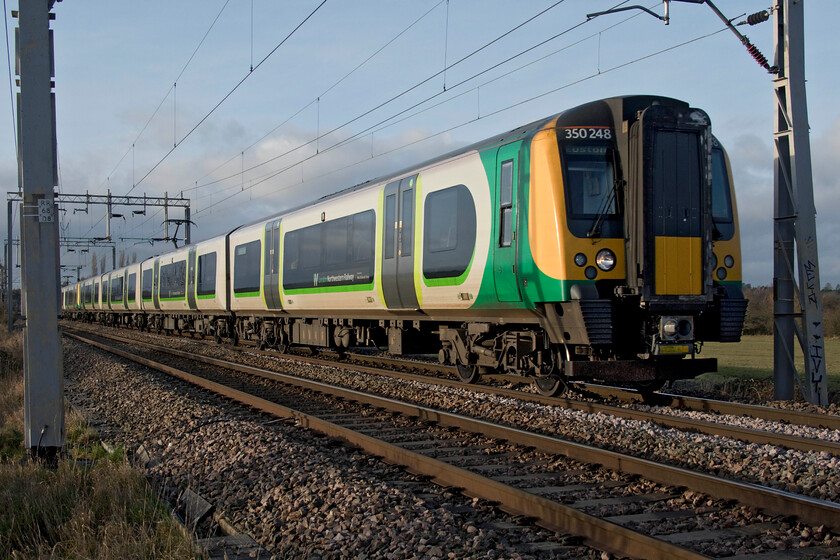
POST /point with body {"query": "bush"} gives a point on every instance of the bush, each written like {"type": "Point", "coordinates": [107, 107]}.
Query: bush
{"type": "Point", "coordinates": [759, 319]}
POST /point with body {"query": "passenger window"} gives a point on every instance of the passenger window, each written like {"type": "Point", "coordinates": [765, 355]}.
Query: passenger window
{"type": "Point", "coordinates": [310, 249]}
{"type": "Point", "coordinates": [116, 290]}
{"type": "Point", "coordinates": [173, 281]}
{"type": "Point", "coordinates": [347, 246]}
{"type": "Point", "coordinates": [206, 275]}
{"type": "Point", "coordinates": [147, 285]}
{"type": "Point", "coordinates": [246, 271]}
{"type": "Point", "coordinates": [449, 232]}
{"type": "Point", "coordinates": [335, 242]}
{"type": "Point", "coordinates": [131, 291]}
{"type": "Point", "coordinates": [363, 233]}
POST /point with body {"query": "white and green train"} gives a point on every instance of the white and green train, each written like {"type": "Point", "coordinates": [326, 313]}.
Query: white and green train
{"type": "Point", "coordinates": [601, 243]}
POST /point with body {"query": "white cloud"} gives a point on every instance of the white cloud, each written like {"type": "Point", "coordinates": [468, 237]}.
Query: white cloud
{"type": "Point", "coordinates": [752, 162]}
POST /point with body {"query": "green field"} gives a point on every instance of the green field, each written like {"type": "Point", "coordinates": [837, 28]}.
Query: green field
{"type": "Point", "coordinates": [752, 360]}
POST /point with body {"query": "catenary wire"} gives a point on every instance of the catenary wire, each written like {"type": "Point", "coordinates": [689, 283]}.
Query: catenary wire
{"type": "Point", "coordinates": [225, 98]}
{"type": "Point", "coordinates": [380, 126]}
{"type": "Point", "coordinates": [371, 110]}
{"type": "Point", "coordinates": [169, 91]}
{"type": "Point", "coordinates": [326, 91]}
{"type": "Point", "coordinates": [437, 94]}
{"type": "Point", "coordinates": [397, 96]}
{"type": "Point", "coordinates": [498, 111]}
{"type": "Point", "coordinates": [215, 107]}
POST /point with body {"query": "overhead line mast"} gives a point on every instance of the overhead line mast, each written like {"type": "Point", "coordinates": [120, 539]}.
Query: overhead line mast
{"type": "Point", "coordinates": [794, 214]}
{"type": "Point", "coordinates": [794, 218]}
{"type": "Point", "coordinates": [43, 374]}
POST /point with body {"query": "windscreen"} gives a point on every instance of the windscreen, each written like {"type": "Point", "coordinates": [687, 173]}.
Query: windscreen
{"type": "Point", "coordinates": [589, 169]}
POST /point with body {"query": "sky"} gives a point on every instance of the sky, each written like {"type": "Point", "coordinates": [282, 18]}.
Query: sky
{"type": "Point", "coordinates": [247, 108]}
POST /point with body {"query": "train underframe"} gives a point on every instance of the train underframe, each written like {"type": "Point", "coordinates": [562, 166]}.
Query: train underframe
{"type": "Point", "coordinates": [571, 341]}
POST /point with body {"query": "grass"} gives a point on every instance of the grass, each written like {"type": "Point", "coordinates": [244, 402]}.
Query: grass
{"type": "Point", "coordinates": [107, 511]}
{"type": "Point", "coordinates": [104, 510]}
{"type": "Point", "coordinates": [749, 364]}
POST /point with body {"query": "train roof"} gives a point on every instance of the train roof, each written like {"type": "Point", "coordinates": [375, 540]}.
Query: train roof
{"type": "Point", "coordinates": [629, 105]}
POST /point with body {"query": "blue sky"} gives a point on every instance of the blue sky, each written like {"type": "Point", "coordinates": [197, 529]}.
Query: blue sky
{"type": "Point", "coordinates": [116, 62]}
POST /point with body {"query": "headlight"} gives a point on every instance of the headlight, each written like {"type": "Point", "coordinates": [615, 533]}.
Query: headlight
{"type": "Point", "coordinates": [580, 259]}
{"type": "Point", "coordinates": [729, 261]}
{"type": "Point", "coordinates": [605, 259]}
{"type": "Point", "coordinates": [721, 273]}
{"type": "Point", "coordinates": [669, 327]}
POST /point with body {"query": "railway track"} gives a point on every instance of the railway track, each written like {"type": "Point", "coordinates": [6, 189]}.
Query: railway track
{"type": "Point", "coordinates": [433, 374]}
{"type": "Point", "coordinates": [552, 481]}
{"type": "Point", "coordinates": [425, 369]}
{"type": "Point", "coordinates": [658, 399]}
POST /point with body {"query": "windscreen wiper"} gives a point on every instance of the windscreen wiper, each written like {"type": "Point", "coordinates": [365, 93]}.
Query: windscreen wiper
{"type": "Point", "coordinates": [605, 206]}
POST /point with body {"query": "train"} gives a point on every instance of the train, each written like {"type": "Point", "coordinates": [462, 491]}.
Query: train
{"type": "Point", "coordinates": [598, 244]}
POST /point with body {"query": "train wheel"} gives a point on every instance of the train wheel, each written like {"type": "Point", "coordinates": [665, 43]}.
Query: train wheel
{"type": "Point", "coordinates": [549, 385]}
{"type": "Point", "coordinates": [650, 386]}
{"type": "Point", "coordinates": [549, 376]}
{"type": "Point", "coordinates": [468, 374]}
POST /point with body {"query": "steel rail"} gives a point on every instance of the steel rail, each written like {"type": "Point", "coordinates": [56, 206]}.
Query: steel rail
{"type": "Point", "coordinates": [807, 509]}
{"type": "Point", "coordinates": [551, 515]}
{"type": "Point", "coordinates": [748, 435]}
{"type": "Point", "coordinates": [682, 402]}
{"type": "Point", "coordinates": [811, 419]}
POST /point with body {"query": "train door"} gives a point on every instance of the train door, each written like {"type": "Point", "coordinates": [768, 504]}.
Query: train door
{"type": "Point", "coordinates": [271, 266]}
{"type": "Point", "coordinates": [507, 208]}
{"type": "Point", "coordinates": [191, 301]}
{"type": "Point", "coordinates": [670, 189]}
{"type": "Point", "coordinates": [398, 244]}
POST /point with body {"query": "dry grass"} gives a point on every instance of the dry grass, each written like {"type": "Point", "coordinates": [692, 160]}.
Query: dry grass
{"type": "Point", "coordinates": [104, 511]}
{"type": "Point", "coordinates": [107, 512]}
{"type": "Point", "coordinates": [11, 397]}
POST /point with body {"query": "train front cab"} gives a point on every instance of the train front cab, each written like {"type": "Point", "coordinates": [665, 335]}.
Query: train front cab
{"type": "Point", "coordinates": [630, 223]}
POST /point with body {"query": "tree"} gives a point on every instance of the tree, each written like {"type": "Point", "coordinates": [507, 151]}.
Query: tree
{"type": "Point", "coordinates": [94, 270]}
{"type": "Point", "coordinates": [102, 262]}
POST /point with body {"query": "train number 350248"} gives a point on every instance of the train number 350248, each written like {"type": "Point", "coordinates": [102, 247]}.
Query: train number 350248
{"type": "Point", "coordinates": [589, 133]}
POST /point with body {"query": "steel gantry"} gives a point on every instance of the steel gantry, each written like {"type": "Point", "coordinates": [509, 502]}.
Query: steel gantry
{"type": "Point", "coordinates": [85, 200]}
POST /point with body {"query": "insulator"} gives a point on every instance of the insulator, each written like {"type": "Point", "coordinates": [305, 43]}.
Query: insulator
{"type": "Point", "coordinates": [758, 17]}
{"type": "Point", "coordinates": [756, 54]}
